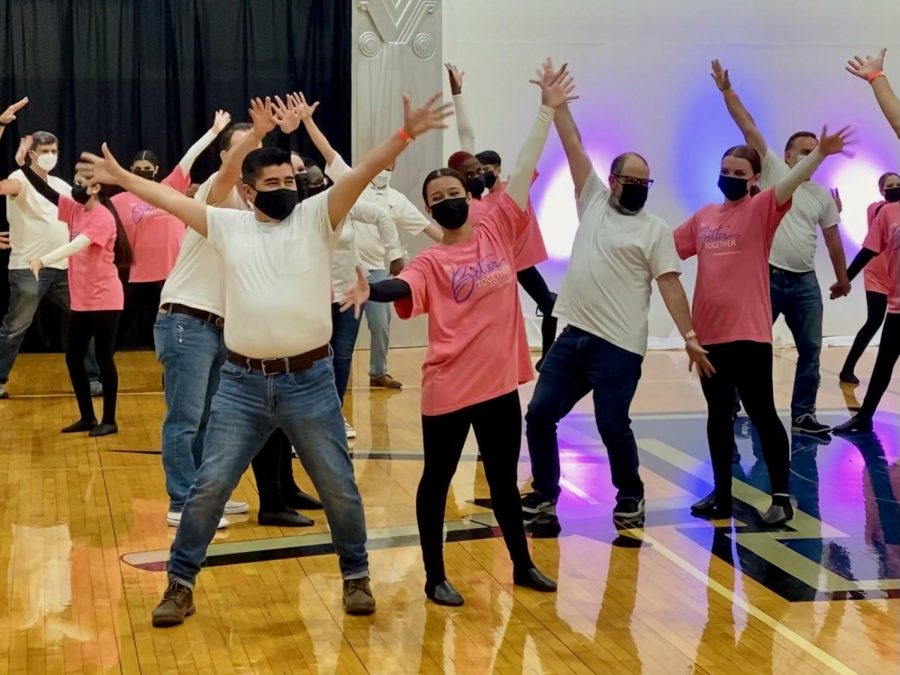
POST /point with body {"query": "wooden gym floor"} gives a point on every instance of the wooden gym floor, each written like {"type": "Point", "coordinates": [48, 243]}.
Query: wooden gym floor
{"type": "Point", "coordinates": [83, 540]}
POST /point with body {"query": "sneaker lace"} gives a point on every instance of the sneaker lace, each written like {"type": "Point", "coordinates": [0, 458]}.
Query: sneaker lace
{"type": "Point", "coordinates": [354, 585]}
{"type": "Point", "coordinates": [177, 592]}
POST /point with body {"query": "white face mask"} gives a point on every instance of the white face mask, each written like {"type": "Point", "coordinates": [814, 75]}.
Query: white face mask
{"type": "Point", "coordinates": [382, 180]}
{"type": "Point", "coordinates": [48, 161]}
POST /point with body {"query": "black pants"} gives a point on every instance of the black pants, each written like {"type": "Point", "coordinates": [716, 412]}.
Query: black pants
{"type": "Point", "coordinates": [101, 326]}
{"type": "Point", "coordinates": [498, 430]}
{"type": "Point", "coordinates": [139, 315]}
{"type": "Point", "coordinates": [746, 366]}
{"type": "Point", "coordinates": [274, 473]}
{"type": "Point", "coordinates": [876, 306]}
{"type": "Point", "coordinates": [888, 352]}
{"type": "Point", "coordinates": [531, 280]}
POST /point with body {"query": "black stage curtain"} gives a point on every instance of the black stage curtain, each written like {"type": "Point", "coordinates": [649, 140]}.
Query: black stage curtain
{"type": "Point", "coordinates": [149, 74]}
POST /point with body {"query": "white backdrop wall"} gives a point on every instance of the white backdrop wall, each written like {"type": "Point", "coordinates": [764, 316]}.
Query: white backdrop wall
{"type": "Point", "coordinates": [642, 70]}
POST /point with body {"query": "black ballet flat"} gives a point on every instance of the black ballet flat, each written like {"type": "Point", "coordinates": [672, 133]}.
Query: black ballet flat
{"type": "Point", "coordinates": [855, 425]}
{"type": "Point", "coordinates": [286, 518]}
{"type": "Point", "coordinates": [533, 578]}
{"type": "Point", "coordinates": [104, 429]}
{"type": "Point", "coordinates": [79, 426]}
{"type": "Point", "coordinates": [778, 514]}
{"type": "Point", "coordinates": [708, 508]}
{"type": "Point", "coordinates": [444, 594]}
{"type": "Point", "coordinates": [302, 501]}
{"type": "Point", "coordinates": [848, 378]}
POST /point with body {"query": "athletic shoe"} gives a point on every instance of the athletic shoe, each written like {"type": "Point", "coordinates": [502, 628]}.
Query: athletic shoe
{"type": "Point", "coordinates": [177, 604]}
{"type": "Point", "coordinates": [629, 511]}
{"type": "Point", "coordinates": [3, 392]}
{"type": "Point", "coordinates": [385, 382]}
{"type": "Point", "coordinates": [808, 424]}
{"type": "Point", "coordinates": [848, 378]}
{"type": "Point", "coordinates": [855, 425]}
{"type": "Point", "coordinates": [96, 388]}
{"type": "Point", "coordinates": [350, 431]}
{"type": "Point", "coordinates": [535, 505]}
{"type": "Point", "coordinates": [233, 508]}
{"type": "Point", "coordinates": [358, 598]}
{"type": "Point", "coordinates": [173, 519]}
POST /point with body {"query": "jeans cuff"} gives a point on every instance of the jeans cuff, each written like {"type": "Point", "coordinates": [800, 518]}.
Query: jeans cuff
{"type": "Point", "coordinates": [361, 574]}
{"type": "Point", "coordinates": [183, 582]}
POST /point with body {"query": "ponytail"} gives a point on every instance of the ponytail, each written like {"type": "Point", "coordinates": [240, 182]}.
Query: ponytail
{"type": "Point", "coordinates": [123, 256]}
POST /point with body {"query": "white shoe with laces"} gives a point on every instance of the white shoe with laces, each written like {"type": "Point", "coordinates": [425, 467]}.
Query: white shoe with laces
{"type": "Point", "coordinates": [233, 508]}
{"type": "Point", "coordinates": [351, 432]}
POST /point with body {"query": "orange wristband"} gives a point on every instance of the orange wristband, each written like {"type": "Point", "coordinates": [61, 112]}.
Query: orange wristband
{"type": "Point", "coordinates": [871, 77]}
{"type": "Point", "coordinates": [729, 92]}
{"type": "Point", "coordinates": [404, 135]}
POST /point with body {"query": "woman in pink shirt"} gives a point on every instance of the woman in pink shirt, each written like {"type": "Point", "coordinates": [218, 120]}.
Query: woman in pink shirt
{"type": "Point", "coordinates": [155, 237]}
{"type": "Point", "coordinates": [732, 314]}
{"type": "Point", "coordinates": [876, 278]}
{"type": "Point", "coordinates": [477, 355]}
{"type": "Point", "coordinates": [96, 252]}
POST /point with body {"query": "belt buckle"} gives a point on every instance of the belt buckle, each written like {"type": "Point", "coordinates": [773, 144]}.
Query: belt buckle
{"type": "Point", "coordinates": [262, 366]}
{"type": "Point", "coordinates": [219, 322]}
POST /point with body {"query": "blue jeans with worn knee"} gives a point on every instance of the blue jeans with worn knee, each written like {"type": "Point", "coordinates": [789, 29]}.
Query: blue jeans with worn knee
{"type": "Point", "coordinates": [247, 407]}
{"type": "Point", "coordinates": [344, 331]}
{"type": "Point", "coordinates": [191, 352]}
{"type": "Point", "coordinates": [378, 317]}
{"type": "Point", "coordinates": [799, 298]}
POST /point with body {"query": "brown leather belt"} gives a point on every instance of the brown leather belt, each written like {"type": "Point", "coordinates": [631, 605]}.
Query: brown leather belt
{"type": "Point", "coordinates": [209, 317]}
{"type": "Point", "coordinates": [288, 364]}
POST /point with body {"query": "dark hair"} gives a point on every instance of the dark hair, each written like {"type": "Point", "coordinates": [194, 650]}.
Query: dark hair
{"type": "Point", "coordinates": [752, 156]}
{"type": "Point", "coordinates": [146, 156]}
{"type": "Point", "coordinates": [619, 162]}
{"type": "Point", "coordinates": [39, 138]}
{"type": "Point", "coordinates": [795, 136]}
{"type": "Point", "coordinates": [307, 161]}
{"type": "Point", "coordinates": [259, 159]}
{"type": "Point", "coordinates": [488, 157]}
{"type": "Point", "coordinates": [225, 137]}
{"type": "Point", "coordinates": [883, 179]}
{"type": "Point", "coordinates": [123, 255]}
{"type": "Point", "coordinates": [440, 173]}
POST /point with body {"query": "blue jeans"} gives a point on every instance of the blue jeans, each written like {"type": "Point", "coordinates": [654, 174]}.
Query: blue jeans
{"type": "Point", "coordinates": [799, 298]}
{"type": "Point", "coordinates": [246, 409]}
{"type": "Point", "coordinates": [191, 352]}
{"type": "Point", "coordinates": [378, 316]}
{"type": "Point", "coordinates": [344, 330]}
{"type": "Point", "coordinates": [25, 294]}
{"type": "Point", "coordinates": [577, 363]}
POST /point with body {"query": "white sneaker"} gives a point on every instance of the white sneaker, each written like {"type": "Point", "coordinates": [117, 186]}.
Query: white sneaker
{"type": "Point", "coordinates": [351, 432]}
{"type": "Point", "coordinates": [173, 519]}
{"type": "Point", "coordinates": [3, 392]}
{"type": "Point", "coordinates": [232, 508]}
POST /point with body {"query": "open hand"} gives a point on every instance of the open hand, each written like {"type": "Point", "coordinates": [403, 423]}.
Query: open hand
{"type": "Point", "coordinates": [287, 117]}
{"type": "Point", "coordinates": [456, 78]}
{"type": "Point", "coordinates": [866, 67]}
{"type": "Point", "coordinates": [418, 121]}
{"type": "Point", "coordinates": [698, 357]}
{"type": "Point", "coordinates": [22, 152]}
{"type": "Point", "coordinates": [220, 121]}
{"type": "Point", "coordinates": [4, 241]}
{"type": "Point", "coordinates": [95, 169]}
{"type": "Point", "coordinates": [557, 86]}
{"type": "Point", "coordinates": [357, 294]}
{"type": "Point", "coordinates": [9, 115]}
{"type": "Point", "coordinates": [297, 101]}
{"type": "Point", "coordinates": [262, 115]}
{"type": "Point", "coordinates": [835, 143]}
{"type": "Point", "coordinates": [720, 76]}
{"type": "Point", "coordinates": [36, 266]}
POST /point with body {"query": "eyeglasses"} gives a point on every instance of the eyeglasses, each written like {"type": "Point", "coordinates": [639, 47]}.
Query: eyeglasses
{"type": "Point", "coordinates": [631, 180]}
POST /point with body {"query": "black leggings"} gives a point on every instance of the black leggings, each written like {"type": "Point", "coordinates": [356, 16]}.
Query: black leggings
{"type": "Point", "coordinates": [531, 280]}
{"type": "Point", "coordinates": [274, 473]}
{"type": "Point", "coordinates": [498, 430]}
{"type": "Point", "coordinates": [746, 366]}
{"type": "Point", "coordinates": [876, 306]}
{"type": "Point", "coordinates": [888, 352]}
{"type": "Point", "coordinates": [101, 326]}
{"type": "Point", "coordinates": [139, 315]}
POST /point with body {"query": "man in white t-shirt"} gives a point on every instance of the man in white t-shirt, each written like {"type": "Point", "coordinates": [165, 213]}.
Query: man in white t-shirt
{"type": "Point", "coordinates": [793, 283]}
{"type": "Point", "coordinates": [619, 250]}
{"type": "Point", "coordinates": [34, 230]}
{"type": "Point", "coordinates": [277, 272]}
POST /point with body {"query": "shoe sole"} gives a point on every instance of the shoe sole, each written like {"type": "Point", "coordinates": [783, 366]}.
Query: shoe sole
{"type": "Point", "coordinates": [237, 512]}
{"type": "Point", "coordinates": [363, 611]}
{"type": "Point", "coordinates": [219, 526]}
{"type": "Point", "coordinates": [169, 621]}
{"type": "Point", "coordinates": [350, 436]}
{"type": "Point", "coordinates": [810, 432]}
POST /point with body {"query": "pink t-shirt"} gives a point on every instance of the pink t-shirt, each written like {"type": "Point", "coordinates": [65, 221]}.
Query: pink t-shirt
{"type": "Point", "coordinates": [875, 274]}
{"type": "Point", "coordinates": [884, 239]}
{"type": "Point", "coordinates": [732, 241]}
{"type": "Point", "coordinates": [155, 235]}
{"type": "Point", "coordinates": [94, 283]}
{"type": "Point", "coordinates": [478, 210]}
{"type": "Point", "coordinates": [477, 349]}
{"type": "Point", "coordinates": [529, 247]}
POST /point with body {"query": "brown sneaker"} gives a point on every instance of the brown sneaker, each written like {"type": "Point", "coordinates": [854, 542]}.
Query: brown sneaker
{"type": "Point", "coordinates": [358, 599]}
{"type": "Point", "coordinates": [177, 603]}
{"type": "Point", "coordinates": [385, 381]}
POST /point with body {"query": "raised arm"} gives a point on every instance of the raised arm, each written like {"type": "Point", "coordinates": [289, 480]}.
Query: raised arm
{"type": "Point", "coordinates": [416, 121]}
{"type": "Point", "coordinates": [741, 116]}
{"type": "Point", "coordinates": [872, 70]}
{"type": "Point", "coordinates": [464, 128]}
{"type": "Point", "coordinates": [263, 116]}
{"type": "Point", "coordinates": [579, 162]}
{"type": "Point", "coordinates": [315, 134]}
{"type": "Point", "coordinates": [41, 186]}
{"type": "Point", "coordinates": [11, 187]}
{"type": "Point", "coordinates": [220, 121]}
{"type": "Point", "coordinates": [556, 90]}
{"type": "Point", "coordinates": [803, 170]}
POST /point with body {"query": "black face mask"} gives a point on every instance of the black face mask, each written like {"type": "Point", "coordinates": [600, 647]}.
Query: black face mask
{"type": "Point", "coordinates": [892, 195]}
{"type": "Point", "coordinates": [80, 194]}
{"type": "Point", "coordinates": [633, 197]}
{"type": "Point", "coordinates": [734, 188]}
{"type": "Point", "coordinates": [148, 174]}
{"type": "Point", "coordinates": [277, 204]}
{"type": "Point", "coordinates": [490, 179]}
{"type": "Point", "coordinates": [475, 185]}
{"type": "Point", "coordinates": [451, 214]}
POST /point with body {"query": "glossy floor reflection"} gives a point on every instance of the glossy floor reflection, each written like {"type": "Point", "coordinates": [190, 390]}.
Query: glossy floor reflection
{"type": "Point", "coordinates": [83, 541]}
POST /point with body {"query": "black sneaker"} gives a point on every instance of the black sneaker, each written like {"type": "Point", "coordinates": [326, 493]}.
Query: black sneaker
{"type": "Point", "coordinates": [177, 604]}
{"type": "Point", "coordinates": [808, 424]}
{"type": "Point", "coordinates": [855, 425]}
{"type": "Point", "coordinates": [534, 505]}
{"type": "Point", "coordinates": [629, 511]}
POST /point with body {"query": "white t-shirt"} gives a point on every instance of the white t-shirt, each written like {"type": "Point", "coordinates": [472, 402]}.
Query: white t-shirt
{"type": "Point", "coordinates": [794, 248]}
{"type": "Point", "coordinates": [196, 279]}
{"type": "Point", "coordinates": [34, 229]}
{"type": "Point", "coordinates": [606, 290]}
{"type": "Point", "coordinates": [277, 278]}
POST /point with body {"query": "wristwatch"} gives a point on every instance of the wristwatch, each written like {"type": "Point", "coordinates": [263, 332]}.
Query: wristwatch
{"type": "Point", "coordinates": [690, 335]}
